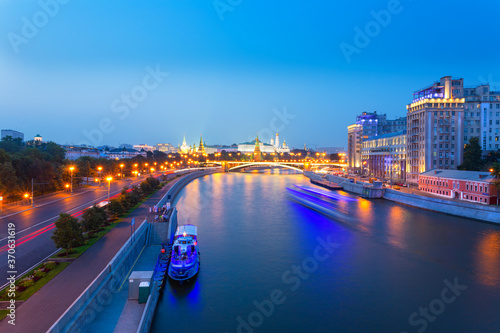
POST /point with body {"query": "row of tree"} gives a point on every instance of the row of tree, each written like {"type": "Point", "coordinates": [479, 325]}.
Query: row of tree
{"type": "Point", "coordinates": [71, 233]}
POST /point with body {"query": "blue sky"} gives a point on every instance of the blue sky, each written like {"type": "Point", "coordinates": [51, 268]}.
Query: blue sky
{"type": "Point", "coordinates": [229, 79]}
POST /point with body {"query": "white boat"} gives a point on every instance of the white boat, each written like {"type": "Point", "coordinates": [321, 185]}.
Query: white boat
{"type": "Point", "coordinates": [185, 259]}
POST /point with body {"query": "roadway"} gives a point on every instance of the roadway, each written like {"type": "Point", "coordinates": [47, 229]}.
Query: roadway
{"type": "Point", "coordinates": [35, 226]}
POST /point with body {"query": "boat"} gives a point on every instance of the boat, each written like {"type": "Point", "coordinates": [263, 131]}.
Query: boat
{"type": "Point", "coordinates": [185, 259]}
{"type": "Point", "coordinates": [324, 202]}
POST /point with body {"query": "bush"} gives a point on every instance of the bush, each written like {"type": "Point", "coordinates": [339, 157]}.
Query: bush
{"type": "Point", "coordinates": [40, 273]}
{"type": "Point", "coordinates": [50, 265]}
{"type": "Point", "coordinates": [27, 282]}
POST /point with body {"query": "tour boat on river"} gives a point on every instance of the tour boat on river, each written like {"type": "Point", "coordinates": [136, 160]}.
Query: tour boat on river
{"type": "Point", "coordinates": [185, 259]}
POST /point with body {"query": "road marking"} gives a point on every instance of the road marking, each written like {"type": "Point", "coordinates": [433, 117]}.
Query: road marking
{"type": "Point", "coordinates": [78, 207]}
{"type": "Point", "coordinates": [29, 269]}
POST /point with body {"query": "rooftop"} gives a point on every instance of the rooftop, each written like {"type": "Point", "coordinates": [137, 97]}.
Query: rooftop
{"type": "Point", "coordinates": [483, 176]}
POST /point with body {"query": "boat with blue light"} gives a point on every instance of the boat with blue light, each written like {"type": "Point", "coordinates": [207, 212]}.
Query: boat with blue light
{"type": "Point", "coordinates": [325, 202]}
{"type": "Point", "coordinates": [185, 259]}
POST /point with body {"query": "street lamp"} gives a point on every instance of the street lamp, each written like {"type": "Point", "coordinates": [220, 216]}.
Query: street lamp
{"type": "Point", "coordinates": [109, 179]}
{"type": "Point", "coordinates": [71, 168]}
{"type": "Point", "coordinates": [99, 169]}
{"type": "Point", "coordinates": [1, 204]}
{"type": "Point", "coordinates": [121, 166]}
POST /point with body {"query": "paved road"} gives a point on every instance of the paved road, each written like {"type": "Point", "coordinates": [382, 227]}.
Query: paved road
{"type": "Point", "coordinates": [34, 226]}
{"type": "Point", "coordinates": [40, 311]}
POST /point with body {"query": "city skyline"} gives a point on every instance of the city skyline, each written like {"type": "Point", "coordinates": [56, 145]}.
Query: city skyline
{"type": "Point", "coordinates": [227, 78]}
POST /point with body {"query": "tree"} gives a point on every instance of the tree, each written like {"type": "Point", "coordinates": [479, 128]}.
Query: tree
{"type": "Point", "coordinates": [472, 156]}
{"type": "Point", "coordinates": [68, 233]}
{"type": "Point", "coordinates": [115, 208]}
{"type": "Point", "coordinates": [93, 218]}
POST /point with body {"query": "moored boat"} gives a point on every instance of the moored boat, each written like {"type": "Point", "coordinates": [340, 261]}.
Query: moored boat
{"type": "Point", "coordinates": [185, 259]}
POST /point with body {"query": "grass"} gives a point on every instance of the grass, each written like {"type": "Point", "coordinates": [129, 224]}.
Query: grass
{"type": "Point", "coordinates": [75, 253]}
{"type": "Point", "coordinates": [27, 293]}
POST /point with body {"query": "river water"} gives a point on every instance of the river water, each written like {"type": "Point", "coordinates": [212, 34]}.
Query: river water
{"type": "Point", "coordinates": [269, 264]}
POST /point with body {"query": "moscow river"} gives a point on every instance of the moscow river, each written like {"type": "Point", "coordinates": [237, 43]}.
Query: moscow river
{"type": "Point", "coordinates": [269, 264]}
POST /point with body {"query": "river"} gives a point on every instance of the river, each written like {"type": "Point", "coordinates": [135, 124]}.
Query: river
{"type": "Point", "coordinates": [269, 264]}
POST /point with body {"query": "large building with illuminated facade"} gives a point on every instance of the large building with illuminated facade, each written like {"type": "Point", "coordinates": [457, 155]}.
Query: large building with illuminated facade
{"type": "Point", "coordinates": [435, 128]}
{"type": "Point", "coordinates": [384, 156]}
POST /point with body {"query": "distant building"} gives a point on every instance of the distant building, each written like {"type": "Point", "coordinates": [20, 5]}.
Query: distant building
{"type": "Point", "coordinates": [435, 128]}
{"type": "Point", "coordinates": [249, 147]}
{"type": "Point", "coordinates": [126, 146]}
{"type": "Point", "coordinates": [38, 138]}
{"type": "Point", "coordinates": [369, 125]}
{"type": "Point", "coordinates": [122, 153]}
{"type": "Point", "coordinates": [482, 116]}
{"type": "Point", "coordinates": [392, 125]}
{"type": "Point", "coordinates": [472, 186]}
{"type": "Point", "coordinates": [354, 141]}
{"type": "Point", "coordinates": [145, 147]}
{"type": "Point", "coordinates": [228, 149]}
{"type": "Point", "coordinates": [75, 152]}
{"type": "Point", "coordinates": [384, 156]}
{"type": "Point", "coordinates": [184, 148]}
{"type": "Point", "coordinates": [13, 134]}
{"type": "Point", "coordinates": [166, 148]}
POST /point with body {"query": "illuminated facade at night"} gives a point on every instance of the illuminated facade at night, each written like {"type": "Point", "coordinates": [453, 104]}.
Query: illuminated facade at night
{"type": "Point", "coordinates": [435, 128]}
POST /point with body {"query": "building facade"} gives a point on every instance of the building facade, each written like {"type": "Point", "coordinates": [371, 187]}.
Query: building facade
{"type": "Point", "coordinates": [384, 156]}
{"type": "Point", "coordinates": [354, 141]}
{"type": "Point", "coordinates": [482, 116]}
{"type": "Point", "coordinates": [13, 134]}
{"type": "Point", "coordinates": [472, 186]}
{"type": "Point", "coordinates": [145, 147]}
{"type": "Point", "coordinates": [435, 128]}
{"type": "Point", "coordinates": [166, 148]}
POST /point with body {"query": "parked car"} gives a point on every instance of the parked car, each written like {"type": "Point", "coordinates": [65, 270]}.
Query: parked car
{"type": "Point", "coordinates": [396, 187]}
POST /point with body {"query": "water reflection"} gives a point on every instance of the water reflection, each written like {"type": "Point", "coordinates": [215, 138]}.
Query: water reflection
{"type": "Point", "coordinates": [489, 258]}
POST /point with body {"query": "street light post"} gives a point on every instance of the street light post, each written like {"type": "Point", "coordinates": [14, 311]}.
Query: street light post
{"type": "Point", "coordinates": [71, 168]}
{"type": "Point", "coordinates": [109, 179]}
{"type": "Point", "coordinates": [99, 169]}
{"type": "Point", "coordinates": [121, 174]}
{"type": "Point", "coordinates": [1, 204]}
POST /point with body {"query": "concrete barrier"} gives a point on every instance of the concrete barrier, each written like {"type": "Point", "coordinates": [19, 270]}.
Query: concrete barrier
{"type": "Point", "coordinates": [457, 208]}
{"type": "Point", "coordinates": [82, 312]}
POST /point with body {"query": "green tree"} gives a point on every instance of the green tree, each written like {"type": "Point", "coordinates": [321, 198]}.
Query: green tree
{"type": "Point", "coordinates": [115, 208]}
{"type": "Point", "coordinates": [68, 233]}
{"type": "Point", "coordinates": [93, 219]}
{"type": "Point", "coordinates": [472, 156]}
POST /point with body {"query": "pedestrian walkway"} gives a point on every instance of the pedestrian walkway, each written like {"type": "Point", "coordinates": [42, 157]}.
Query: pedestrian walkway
{"type": "Point", "coordinates": [42, 309]}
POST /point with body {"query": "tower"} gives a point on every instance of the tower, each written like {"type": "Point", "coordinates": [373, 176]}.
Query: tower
{"type": "Point", "coordinates": [277, 141]}
{"type": "Point", "coordinates": [257, 152]}
{"type": "Point", "coordinates": [184, 147]}
{"type": "Point", "coordinates": [201, 147]}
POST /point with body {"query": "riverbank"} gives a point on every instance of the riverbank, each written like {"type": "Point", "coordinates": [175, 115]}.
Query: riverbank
{"type": "Point", "coordinates": [453, 207]}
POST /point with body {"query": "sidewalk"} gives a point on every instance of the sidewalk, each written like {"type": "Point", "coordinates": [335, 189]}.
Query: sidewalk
{"type": "Point", "coordinates": [40, 311]}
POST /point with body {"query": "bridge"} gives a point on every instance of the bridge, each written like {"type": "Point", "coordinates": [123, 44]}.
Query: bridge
{"type": "Point", "coordinates": [298, 166]}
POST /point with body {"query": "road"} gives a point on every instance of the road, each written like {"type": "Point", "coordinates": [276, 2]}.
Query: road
{"type": "Point", "coordinates": [34, 227]}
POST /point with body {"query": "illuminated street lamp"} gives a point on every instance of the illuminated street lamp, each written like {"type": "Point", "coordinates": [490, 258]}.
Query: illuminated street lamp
{"type": "Point", "coordinates": [121, 166]}
{"type": "Point", "coordinates": [99, 169]}
{"type": "Point", "coordinates": [109, 179]}
{"type": "Point", "coordinates": [71, 168]}
{"type": "Point", "coordinates": [1, 204]}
